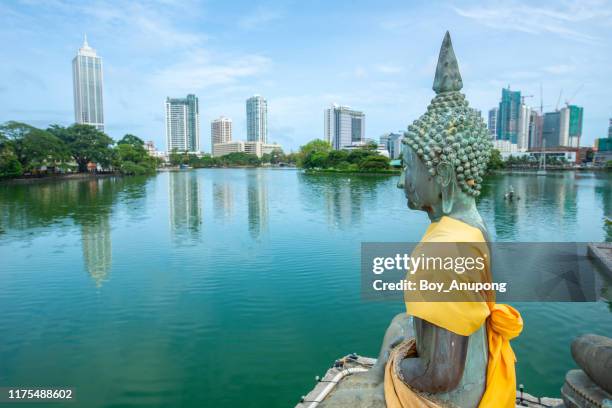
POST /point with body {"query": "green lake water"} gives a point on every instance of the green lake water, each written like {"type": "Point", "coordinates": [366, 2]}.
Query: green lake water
{"type": "Point", "coordinates": [236, 287]}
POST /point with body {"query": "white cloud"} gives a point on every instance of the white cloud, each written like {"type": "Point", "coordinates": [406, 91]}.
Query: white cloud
{"type": "Point", "coordinates": [560, 69]}
{"type": "Point", "coordinates": [388, 69]}
{"type": "Point", "coordinates": [259, 18]}
{"type": "Point", "coordinates": [204, 69]}
{"type": "Point", "coordinates": [525, 18]}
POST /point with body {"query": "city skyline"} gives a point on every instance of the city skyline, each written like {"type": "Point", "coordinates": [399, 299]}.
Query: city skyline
{"type": "Point", "coordinates": [164, 52]}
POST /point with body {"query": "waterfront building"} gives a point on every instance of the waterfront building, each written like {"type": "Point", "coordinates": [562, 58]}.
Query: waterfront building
{"type": "Point", "coordinates": [567, 154]}
{"type": "Point", "coordinates": [610, 128]}
{"type": "Point", "coordinates": [257, 119]}
{"type": "Point", "coordinates": [149, 146]}
{"type": "Point", "coordinates": [575, 125]}
{"type": "Point", "coordinates": [603, 149]}
{"type": "Point", "coordinates": [393, 144]}
{"type": "Point", "coordinates": [343, 126]}
{"type": "Point", "coordinates": [535, 129]}
{"type": "Point", "coordinates": [241, 146]}
{"type": "Point", "coordinates": [552, 130]}
{"type": "Point", "coordinates": [564, 122]}
{"type": "Point", "coordinates": [220, 131]}
{"type": "Point", "coordinates": [508, 115]}
{"type": "Point", "coordinates": [87, 83]}
{"type": "Point", "coordinates": [492, 123]}
{"type": "Point", "coordinates": [505, 146]}
{"type": "Point", "coordinates": [523, 127]}
{"type": "Point", "coordinates": [183, 124]}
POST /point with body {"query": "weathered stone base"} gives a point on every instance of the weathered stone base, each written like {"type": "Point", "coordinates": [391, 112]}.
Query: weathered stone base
{"type": "Point", "coordinates": [356, 390]}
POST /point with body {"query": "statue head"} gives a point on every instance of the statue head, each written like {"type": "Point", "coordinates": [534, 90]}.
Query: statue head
{"type": "Point", "coordinates": [446, 150]}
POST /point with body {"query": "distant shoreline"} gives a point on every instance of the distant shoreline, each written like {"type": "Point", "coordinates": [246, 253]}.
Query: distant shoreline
{"type": "Point", "coordinates": [58, 177]}
{"type": "Point", "coordinates": [389, 172]}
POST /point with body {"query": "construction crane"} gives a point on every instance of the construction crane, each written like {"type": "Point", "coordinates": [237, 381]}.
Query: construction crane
{"type": "Point", "coordinates": [568, 101]}
{"type": "Point", "coordinates": [559, 100]}
{"type": "Point", "coordinates": [525, 96]}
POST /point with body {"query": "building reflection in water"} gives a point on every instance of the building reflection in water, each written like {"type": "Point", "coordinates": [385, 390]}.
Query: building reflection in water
{"type": "Point", "coordinates": [257, 196]}
{"type": "Point", "coordinates": [223, 200]}
{"type": "Point", "coordinates": [185, 204]}
{"type": "Point", "coordinates": [346, 198]}
{"type": "Point", "coordinates": [97, 249]}
{"type": "Point", "coordinates": [344, 204]}
{"type": "Point", "coordinates": [603, 190]}
{"type": "Point", "coordinates": [95, 228]}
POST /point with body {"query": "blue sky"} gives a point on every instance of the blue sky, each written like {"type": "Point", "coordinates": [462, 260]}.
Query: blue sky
{"type": "Point", "coordinates": [378, 57]}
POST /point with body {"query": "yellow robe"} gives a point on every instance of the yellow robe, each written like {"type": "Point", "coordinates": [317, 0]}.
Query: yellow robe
{"type": "Point", "coordinates": [463, 318]}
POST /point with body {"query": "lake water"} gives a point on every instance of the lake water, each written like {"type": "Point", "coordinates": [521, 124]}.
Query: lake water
{"type": "Point", "coordinates": [236, 287]}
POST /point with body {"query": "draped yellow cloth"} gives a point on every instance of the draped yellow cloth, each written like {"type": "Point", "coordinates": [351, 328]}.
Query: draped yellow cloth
{"type": "Point", "coordinates": [463, 318]}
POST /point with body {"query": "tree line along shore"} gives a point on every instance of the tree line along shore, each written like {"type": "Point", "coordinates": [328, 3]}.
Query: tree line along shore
{"type": "Point", "coordinates": [30, 152]}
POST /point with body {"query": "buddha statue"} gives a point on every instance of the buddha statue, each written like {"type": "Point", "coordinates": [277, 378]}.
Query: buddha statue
{"type": "Point", "coordinates": [457, 353]}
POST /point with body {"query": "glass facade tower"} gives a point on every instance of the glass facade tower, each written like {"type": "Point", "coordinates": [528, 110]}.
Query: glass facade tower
{"type": "Point", "coordinates": [257, 119]}
{"type": "Point", "coordinates": [87, 86]}
{"type": "Point", "coordinates": [183, 124]}
{"type": "Point", "coordinates": [508, 116]}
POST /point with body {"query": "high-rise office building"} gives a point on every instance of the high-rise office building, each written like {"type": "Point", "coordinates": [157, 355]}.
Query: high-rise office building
{"type": "Point", "coordinates": [535, 130]}
{"type": "Point", "coordinates": [257, 119]}
{"type": "Point", "coordinates": [564, 122]}
{"type": "Point", "coordinates": [610, 128]}
{"type": "Point", "coordinates": [183, 124]}
{"type": "Point", "coordinates": [220, 132]}
{"type": "Point", "coordinates": [492, 123]}
{"type": "Point", "coordinates": [575, 125]}
{"type": "Point", "coordinates": [87, 83]}
{"type": "Point", "coordinates": [523, 128]}
{"type": "Point", "coordinates": [508, 116]}
{"type": "Point", "coordinates": [343, 126]}
{"type": "Point", "coordinates": [393, 143]}
{"type": "Point", "coordinates": [551, 129]}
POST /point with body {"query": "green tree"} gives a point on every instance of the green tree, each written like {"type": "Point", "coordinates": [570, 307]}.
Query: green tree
{"type": "Point", "coordinates": [239, 159]}
{"type": "Point", "coordinates": [33, 147]}
{"type": "Point", "coordinates": [356, 156]}
{"type": "Point", "coordinates": [374, 162]}
{"type": "Point", "coordinates": [315, 159]}
{"type": "Point", "coordinates": [495, 160]}
{"type": "Point", "coordinates": [132, 158]}
{"type": "Point", "coordinates": [9, 165]}
{"type": "Point", "coordinates": [176, 158]}
{"type": "Point", "coordinates": [304, 157]}
{"type": "Point", "coordinates": [336, 157]}
{"type": "Point", "coordinates": [85, 144]}
{"type": "Point", "coordinates": [131, 140]}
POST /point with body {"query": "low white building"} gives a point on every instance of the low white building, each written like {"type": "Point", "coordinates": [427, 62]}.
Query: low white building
{"type": "Point", "coordinates": [241, 146]}
{"type": "Point", "coordinates": [559, 154]}
{"type": "Point", "coordinates": [505, 146]}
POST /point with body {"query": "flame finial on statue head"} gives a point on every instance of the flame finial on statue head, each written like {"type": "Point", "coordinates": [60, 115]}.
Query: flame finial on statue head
{"type": "Point", "coordinates": [447, 78]}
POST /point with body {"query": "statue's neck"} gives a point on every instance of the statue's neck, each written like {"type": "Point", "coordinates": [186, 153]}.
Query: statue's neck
{"type": "Point", "coordinates": [464, 210]}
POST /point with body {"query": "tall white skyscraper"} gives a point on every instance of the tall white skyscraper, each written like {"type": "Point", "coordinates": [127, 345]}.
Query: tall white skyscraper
{"type": "Point", "coordinates": [492, 123]}
{"type": "Point", "coordinates": [87, 86]}
{"type": "Point", "coordinates": [183, 124]}
{"type": "Point", "coordinates": [523, 128]}
{"type": "Point", "coordinates": [220, 132]}
{"type": "Point", "coordinates": [343, 126]}
{"type": "Point", "coordinates": [257, 119]}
